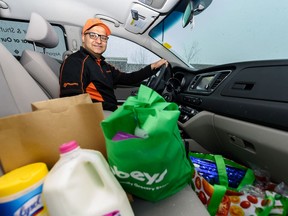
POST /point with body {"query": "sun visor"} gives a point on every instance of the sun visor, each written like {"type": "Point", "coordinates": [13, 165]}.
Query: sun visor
{"type": "Point", "coordinates": [140, 18]}
{"type": "Point", "coordinates": [157, 4]}
{"type": "Point", "coordinates": [162, 6]}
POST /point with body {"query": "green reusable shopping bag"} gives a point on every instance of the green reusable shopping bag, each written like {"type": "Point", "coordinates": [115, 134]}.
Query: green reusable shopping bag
{"type": "Point", "coordinates": [153, 166]}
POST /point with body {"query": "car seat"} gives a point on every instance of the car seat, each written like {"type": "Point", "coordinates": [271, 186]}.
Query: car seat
{"type": "Point", "coordinates": [43, 68]}
{"type": "Point", "coordinates": [17, 88]}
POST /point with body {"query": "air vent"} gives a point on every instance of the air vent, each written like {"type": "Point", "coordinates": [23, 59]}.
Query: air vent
{"type": "Point", "coordinates": [193, 82]}
{"type": "Point", "coordinates": [222, 75]}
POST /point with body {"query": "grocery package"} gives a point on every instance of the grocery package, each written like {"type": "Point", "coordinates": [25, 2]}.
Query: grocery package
{"type": "Point", "coordinates": [81, 183]}
{"type": "Point", "coordinates": [227, 188]}
{"type": "Point", "coordinates": [28, 137]}
{"type": "Point", "coordinates": [144, 147]}
{"type": "Point", "coordinates": [21, 191]}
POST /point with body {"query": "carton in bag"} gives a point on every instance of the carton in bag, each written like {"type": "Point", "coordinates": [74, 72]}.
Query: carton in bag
{"type": "Point", "coordinates": [36, 136]}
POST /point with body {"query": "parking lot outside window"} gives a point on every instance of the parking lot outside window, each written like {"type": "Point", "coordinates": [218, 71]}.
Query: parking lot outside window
{"type": "Point", "coordinates": [12, 36]}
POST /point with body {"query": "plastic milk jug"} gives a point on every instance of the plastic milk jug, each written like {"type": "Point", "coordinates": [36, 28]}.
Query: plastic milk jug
{"type": "Point", "coordinates": [21, 191]}
{"type": "Point", "coordinates": [81, 183]}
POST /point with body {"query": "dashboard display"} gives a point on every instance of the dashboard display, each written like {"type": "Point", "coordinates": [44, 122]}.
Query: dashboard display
{"type": "Point", "coordinates": [204, 81]}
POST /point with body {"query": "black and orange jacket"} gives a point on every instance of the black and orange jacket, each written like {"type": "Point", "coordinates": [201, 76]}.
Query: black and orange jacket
{"type": "Point", "coordinates": [81, 73]}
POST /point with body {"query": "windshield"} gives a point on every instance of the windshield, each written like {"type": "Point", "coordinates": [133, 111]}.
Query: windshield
{"type": "Point", "coordinates": [227, 31]}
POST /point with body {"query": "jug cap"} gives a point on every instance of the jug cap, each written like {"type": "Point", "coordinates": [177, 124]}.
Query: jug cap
{"type": "Point", "coordinates": [69, 146]}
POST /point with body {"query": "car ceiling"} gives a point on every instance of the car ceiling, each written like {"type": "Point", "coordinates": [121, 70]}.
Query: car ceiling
{"type": "Point", "coordinates": [76, 12]}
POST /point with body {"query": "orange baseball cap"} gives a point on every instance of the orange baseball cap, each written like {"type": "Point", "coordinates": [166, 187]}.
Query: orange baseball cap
{"type": "Point", "coordinates": [95, 22]}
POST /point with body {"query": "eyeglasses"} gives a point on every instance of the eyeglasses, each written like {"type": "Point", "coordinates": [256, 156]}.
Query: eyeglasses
{"type": "Point", "coordinates": [95, 36]}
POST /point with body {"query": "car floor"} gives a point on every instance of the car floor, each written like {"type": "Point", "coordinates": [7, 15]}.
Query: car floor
{"type": "Point", "coordinates": [183, 203]}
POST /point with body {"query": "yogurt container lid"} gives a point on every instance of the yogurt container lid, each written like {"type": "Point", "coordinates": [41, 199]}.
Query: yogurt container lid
{"type": "Point", "coordinates": [22, 178]}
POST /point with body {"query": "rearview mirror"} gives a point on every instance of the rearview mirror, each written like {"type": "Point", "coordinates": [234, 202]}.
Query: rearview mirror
{"type": "Point", "coordinates": [193, 7]}
{"type": "Point", "coordinates": [188, 14]}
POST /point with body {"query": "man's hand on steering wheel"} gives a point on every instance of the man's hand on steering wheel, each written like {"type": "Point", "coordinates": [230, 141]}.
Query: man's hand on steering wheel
{"type": "Point", "coordinates": [158, 64]}
{"type": "Point", "coordinates": [155, 80]}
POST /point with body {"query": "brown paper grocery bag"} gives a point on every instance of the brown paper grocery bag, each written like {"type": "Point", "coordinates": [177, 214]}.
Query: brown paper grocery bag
{"type": "Point", "coordinates": [36, 136]}
{"type": "Point", "coordinates": [61, 104]}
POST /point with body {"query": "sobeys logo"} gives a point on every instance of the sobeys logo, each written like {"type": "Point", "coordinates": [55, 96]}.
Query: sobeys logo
{"type": "Point", "coordinates": [140, 176]}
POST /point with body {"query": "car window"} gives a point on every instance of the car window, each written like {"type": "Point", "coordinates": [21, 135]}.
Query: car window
{"type": "Point", "coordinates": [127, 56]}
{"type": "Point", "coordinates": [12, 36]}
{"type": "Point", "coordinates": [226, 32]}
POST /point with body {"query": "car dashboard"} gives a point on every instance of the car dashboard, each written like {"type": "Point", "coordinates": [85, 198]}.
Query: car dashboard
{"type": "Point", "coordinates": [236, 110]}
{"type": "Point", "coordinates": [249, 91]}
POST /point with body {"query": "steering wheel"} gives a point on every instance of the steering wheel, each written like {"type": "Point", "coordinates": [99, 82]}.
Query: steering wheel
{"type": "Point", "coordinates": [155, 80]}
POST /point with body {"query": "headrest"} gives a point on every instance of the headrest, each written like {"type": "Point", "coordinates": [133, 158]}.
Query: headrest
{"type": "Point", "coordinates": [66, 54]}
{"type": "Point", "coordinates": [41, 32]}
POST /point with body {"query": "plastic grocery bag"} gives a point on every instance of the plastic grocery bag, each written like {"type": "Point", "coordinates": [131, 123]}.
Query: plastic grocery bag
{"type": "Point", "coordinates": [144, 147]}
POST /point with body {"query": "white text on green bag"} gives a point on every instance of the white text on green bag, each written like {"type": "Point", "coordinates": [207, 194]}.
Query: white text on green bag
{"type": "Point", "coordinates": [141, 176]}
